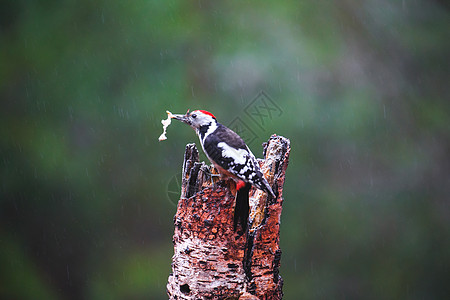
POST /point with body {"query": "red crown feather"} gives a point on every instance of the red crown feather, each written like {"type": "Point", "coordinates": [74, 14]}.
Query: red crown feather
{"type": "Point", "coordinates": [207, 113]}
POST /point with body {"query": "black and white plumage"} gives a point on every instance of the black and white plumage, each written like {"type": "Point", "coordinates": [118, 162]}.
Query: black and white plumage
{"type": "Point", "coordinates": [231, 157]}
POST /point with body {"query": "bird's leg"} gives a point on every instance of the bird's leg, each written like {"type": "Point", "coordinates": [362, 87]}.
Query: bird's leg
{"type": "Point", "coordinates": [214, 174]}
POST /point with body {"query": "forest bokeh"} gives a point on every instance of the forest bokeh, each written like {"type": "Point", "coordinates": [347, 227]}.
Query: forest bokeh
{"type": "Point", "coordinates": [361, 88]}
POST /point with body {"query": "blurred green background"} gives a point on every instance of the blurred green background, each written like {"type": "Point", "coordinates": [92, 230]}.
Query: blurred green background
{"type": "Point", "coordinates": [363, 91]}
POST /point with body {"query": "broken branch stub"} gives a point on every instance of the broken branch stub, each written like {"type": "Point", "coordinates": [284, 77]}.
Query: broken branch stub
{"type": "Point", "coordinates": [210, 260]}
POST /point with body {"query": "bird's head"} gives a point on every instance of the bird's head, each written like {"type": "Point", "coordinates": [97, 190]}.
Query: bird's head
{"type": "Point", "coordinates": [196, 118]}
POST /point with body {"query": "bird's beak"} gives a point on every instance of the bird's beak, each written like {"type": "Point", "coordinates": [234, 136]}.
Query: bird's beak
{"type": "Point", "coordinates": [182, 118]}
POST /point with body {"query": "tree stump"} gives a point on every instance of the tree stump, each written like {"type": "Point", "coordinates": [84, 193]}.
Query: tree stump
{"type": "Point", "coordinates": [210, 260]}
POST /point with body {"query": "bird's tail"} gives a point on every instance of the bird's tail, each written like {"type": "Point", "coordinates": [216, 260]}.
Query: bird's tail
{"type": "Point", "coordinates": [269, 189]}
{"type": "Point", "coordinates": [241, 209]}
{"type": "Point", "coordinates": [263, 185]}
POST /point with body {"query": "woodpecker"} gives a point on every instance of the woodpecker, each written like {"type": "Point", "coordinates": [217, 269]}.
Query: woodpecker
{"type": "Point", "coordinates": [230, 155]}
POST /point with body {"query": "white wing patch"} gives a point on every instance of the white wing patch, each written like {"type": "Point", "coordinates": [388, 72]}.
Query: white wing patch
{"type": "Point", "coordinates": [238, 155]}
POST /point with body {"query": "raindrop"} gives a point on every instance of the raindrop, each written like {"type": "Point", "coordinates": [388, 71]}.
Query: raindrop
{"type": "Point", "coordinates": [70, 112]}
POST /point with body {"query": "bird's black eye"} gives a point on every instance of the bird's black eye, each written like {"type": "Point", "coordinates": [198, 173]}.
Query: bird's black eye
{"type": "Point", "coordinates": [194, 116]}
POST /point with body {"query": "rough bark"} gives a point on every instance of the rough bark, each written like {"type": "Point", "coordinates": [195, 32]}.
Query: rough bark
{"type": "Point", "coordinates": [210, 260]}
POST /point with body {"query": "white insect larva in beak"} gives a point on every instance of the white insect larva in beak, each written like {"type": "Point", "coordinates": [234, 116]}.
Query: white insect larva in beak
{"type": "Point", "coordinates": [166, 124]}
